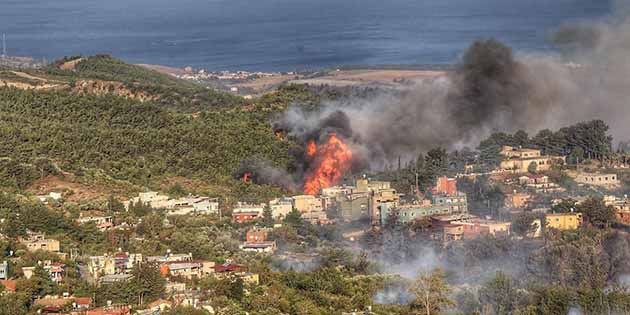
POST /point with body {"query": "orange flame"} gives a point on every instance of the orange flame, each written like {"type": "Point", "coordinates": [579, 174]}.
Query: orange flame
{"type": "Point", "coordinates": [331, 161]}
{"type": "Point", "coordinates": [246, 177]}
{"type": "Point", "coordinates": [311, 149]}
{"type": "Point", "coordinates": [279, 135]}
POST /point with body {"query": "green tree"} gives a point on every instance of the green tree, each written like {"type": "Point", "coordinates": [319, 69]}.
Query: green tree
{"type": "Point", "coordinates": [294, 218]}
{"type": "Point", "coordinates": [597, 213]}
{"type": "Point", "coordinates": [177, 190]}
{"type": "Point", "coordinates": [500, 293]}
{"type": "Point", "coordinates": [147, 282]}
{"type": "Point", "coordinates": [268, 217]}
{"type": "Point", "coordinates": [523, 224]}
{"type": "Point", "coordinates": [13, 304]}
{"type": "Point", "coordinates": [114, 205]}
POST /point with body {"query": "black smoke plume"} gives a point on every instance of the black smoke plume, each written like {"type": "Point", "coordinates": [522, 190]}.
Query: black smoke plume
{"type": "Point", "coordinates": [260, 171]}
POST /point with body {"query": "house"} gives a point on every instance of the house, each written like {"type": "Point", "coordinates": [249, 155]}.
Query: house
{"type": "Point", "coordinates": [365, 200]}
{"type": "Point", "coordinates": [112, 265]}
{"type": "Point", "coordinates": [517, 200]}
{"type": "Point", "coordinates": [161, 305]}
{"type": "Point", "coordinates": [622, 208]}
{"type": "Point", "coordinates": [381, 200]}
{"type": "Point", "coordinates": [259, 247]}
{"type": "Point", "coordinates": [256, 235]}
{"type": "Point", "coordinates": [185, 269]}
{"type": "Point", "coordinates": [108, 310]}
{"type": "Point", "coordinates": [115, 278]}
{"type": "Point", "coordinates": [76, 303]}
{"type": "Point", "coordinates": [563, 221]}
{"type": "Point", "coordinates": [102, 223]}
{"type": "Point", "coordinates": [152, 198]}
{"type": "Point", "coordinates": [56, 271]}
{"type": "Point", "coordinates": [520, 160]}
{"type": "Point", "coordinates": [449, 232]}
{"type": "Point", "coordinates": [477, 228]}
{"type": "Point", "coordinates": [539, 183]}
{"type": "Point", "coordinates": [242, 217]}
{"type": "Point", "coordinates": [596, 179]}
{"type": "Point", "coordinates": [243, 207]}
{"type": "Point", "coordinates": [445, 186]}
{"type": "Point", "coordinates": [193, 204]}
{"type": "Point", "coordinates": [56, 196]}
{"type": "Point", "coordinates": [4, 270]}
{"type": "Point", "coordinates": [280, 207]}
{"type": "Point", "coordinates": [440, 205]}
{"type": "Point", "coordinates": [311, 207]}
{"type": "Point", "coordinates": [38, 241]}
{"type": "Point", "coordinates": [9, 285]}
{"type": "Point", "coordinates": [228, 268]}
{"type": "Point", "coordinates": [169, 257]}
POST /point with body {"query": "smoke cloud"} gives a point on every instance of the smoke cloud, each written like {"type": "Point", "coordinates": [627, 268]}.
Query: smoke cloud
{"type": "Point", "coordinates": [261, 171]}
{"type": "Point", "coordinates": [491, 89]}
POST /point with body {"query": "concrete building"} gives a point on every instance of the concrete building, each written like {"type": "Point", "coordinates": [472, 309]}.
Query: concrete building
{"type": "Point", "coordinates": [102, 223]}
{"type": "Point", "coordinates": [193, 204]}
{"type": "Point", "coordinates": [621, 206]}
{"type": "Point", "coordinates": [438, 206]}
{"type": "Point", "coordinates": [478, 228]}
{"type": "Point", "coordinates": [186, 269]}
{"type": "Point", "coordinates": [445, 186]}
{"type": "Point", "coordinates": [242, 217]}
{"type": "Point", "coordinates": [519, 160]}
{"type": "Point", "coordinates": [280, 207]}
{"type": "Point", "coordinates": [597, 179]}
{"type": "Point", "coordinates": [38, 241]}
{"type": "Point", "coordinates": [4, 270]}
{"type": "Point", "coordinates": [539, 183]}
{"type": "Point", "coordinates": [563, 221]}
{"type": "Point", "coordinates": [110, 265]}
{"type": "Point", "coordinates": [153, 198]}
{"type": "Point", "coordinates": [243, 207]}
{"type": "Point", "coordinates": [517, 200]}
{"type": "Point", "coordinates": [354, 206]}
{"type": "Point", "coordinates": [363, 201]}
{"type": "Point", "coordinates": [311, 208]}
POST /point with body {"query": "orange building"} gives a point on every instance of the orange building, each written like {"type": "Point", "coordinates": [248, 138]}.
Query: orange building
{"type": "Point", "coordinates": [517, 200]}
{"type": "Point", "coordinates": [241, 217]}
{"type": "Point", "coordinates": [256, 236]}
{"type": "Point", "coordinates": [445, 186]}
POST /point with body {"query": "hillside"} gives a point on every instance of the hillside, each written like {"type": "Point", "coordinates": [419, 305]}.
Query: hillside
{"type": "Point", "coordinates": [103, 75]}
{"type": "Point", "coordinates": [144, 140]}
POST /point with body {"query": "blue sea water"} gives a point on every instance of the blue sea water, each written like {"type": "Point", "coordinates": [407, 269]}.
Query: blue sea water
{"type": "Point", "coordinates": [282, 35]}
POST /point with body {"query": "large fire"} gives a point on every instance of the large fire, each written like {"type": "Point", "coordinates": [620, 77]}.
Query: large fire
{"type": "Point", "coordinates": [330, 161]}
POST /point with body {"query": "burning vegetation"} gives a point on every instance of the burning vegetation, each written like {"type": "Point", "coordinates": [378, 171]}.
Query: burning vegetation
{"type": "Point", "coordinates": [329, 162]}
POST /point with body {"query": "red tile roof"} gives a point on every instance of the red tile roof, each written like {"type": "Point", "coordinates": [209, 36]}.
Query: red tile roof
{"type": "Point", "coordinates": [9, 285]}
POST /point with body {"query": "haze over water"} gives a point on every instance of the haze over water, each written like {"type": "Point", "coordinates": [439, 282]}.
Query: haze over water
{"type": "Point", "coordinates": [281, 35]}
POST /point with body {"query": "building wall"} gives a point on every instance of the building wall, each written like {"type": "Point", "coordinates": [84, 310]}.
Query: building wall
{"type": "Point", "coordinates": [597, 179]}
{"type": "Point", "coordinates": [447, 186]}
{"type": "Point", "coordinates": [564, 221]}
{"type": "Point", "coordinates": [4, 271]}
{"type": "Point", "coordinates": [280, 207]}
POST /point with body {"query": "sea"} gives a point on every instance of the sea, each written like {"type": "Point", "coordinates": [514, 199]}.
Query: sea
{"type": "Point", "coordinates": [283, 35]}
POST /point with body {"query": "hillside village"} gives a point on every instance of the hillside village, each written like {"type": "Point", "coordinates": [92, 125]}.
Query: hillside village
{"type": "Point", "coordinates": [148, 212]}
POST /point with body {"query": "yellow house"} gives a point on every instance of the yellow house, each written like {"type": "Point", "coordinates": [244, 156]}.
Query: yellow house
{"type": "Point", "coordinates": [563, 221]}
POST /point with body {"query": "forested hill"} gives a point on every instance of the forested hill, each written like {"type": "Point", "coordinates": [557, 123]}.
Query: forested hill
{"type": "Point", "coordinates": [188, 131]}
{"type": "Point", "coordinates": [104, 75]}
